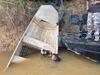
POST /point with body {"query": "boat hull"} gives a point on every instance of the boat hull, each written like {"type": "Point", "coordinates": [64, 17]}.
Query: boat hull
{"type": "Point", "coordinates": [89, 49]}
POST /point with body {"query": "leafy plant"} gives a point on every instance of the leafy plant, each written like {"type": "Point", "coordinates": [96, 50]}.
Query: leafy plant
{"type": "Point", "coordinates": [23, 3]}
{"type": "Point", "coordinates": [6, 2]}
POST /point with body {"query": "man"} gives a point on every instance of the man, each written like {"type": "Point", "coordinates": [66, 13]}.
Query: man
{"type": "Point", "coordinates": [60, 8]}
{"type": "Point", "coordinates": [58, 4]}
{"type": "Point", "coordinates": [93, 22]}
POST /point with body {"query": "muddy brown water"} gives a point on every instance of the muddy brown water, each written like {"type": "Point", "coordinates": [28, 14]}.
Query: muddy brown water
{"type": "Point", "coordinates": [71, 64]}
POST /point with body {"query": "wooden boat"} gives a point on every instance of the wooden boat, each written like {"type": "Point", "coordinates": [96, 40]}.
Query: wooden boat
{"type": "Point", "coordinates": [76, 42]}
{"type": "Point", "coordinates": [41, 33]}
{"type": "Point", "coordinates": [87, 48]}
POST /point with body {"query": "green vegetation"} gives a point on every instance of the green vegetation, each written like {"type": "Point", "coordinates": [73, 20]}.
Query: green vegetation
{"type": "Point", "coordinates": [23, 3]}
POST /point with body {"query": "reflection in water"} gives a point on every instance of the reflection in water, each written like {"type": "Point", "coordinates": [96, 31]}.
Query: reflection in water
{"type": "Point", "coordinates": [37, 64]}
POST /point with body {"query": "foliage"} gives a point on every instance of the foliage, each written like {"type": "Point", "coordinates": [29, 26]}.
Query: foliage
{"type": "Point", "coordinates": [23, 3]}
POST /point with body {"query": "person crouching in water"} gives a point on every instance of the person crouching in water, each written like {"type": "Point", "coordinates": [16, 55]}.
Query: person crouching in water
{"type": "Point", "coordinates": [58, 3]}
{"type": "Point", "coordinates": [93, 22]}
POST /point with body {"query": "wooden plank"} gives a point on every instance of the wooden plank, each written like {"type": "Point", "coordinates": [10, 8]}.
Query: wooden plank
{"type": "Point", "coordinates": [31, 42]}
